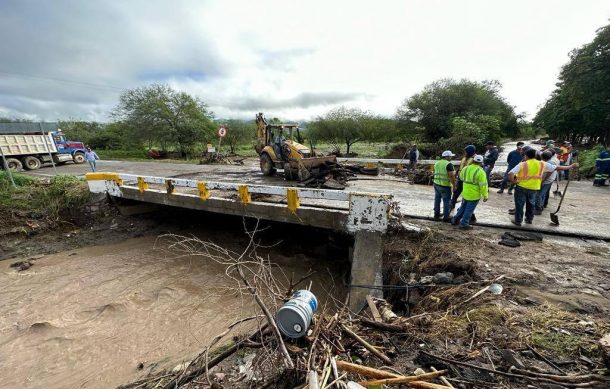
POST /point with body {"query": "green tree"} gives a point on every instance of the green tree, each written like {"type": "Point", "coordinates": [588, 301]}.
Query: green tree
{"type": "Point", "coordinates": [343, 125]}
{"type": "Point", "coordinates": [434, 108]}
{"type": "Point", "coordinates": [158, 113]}
{"type": "Point", "coordinates": [579, 109]}
{"type": "Point", "coordinates": [239, 132]}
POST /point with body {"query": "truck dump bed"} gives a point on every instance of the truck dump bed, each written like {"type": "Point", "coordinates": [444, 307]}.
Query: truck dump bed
{"type": "Point", "coordinates": [25, 144]}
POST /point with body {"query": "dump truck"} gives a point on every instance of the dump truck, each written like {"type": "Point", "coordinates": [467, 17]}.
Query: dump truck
{"type": "Point", "coordinates": [30, 145]}
{"type": "Point", "coordinates": [278, 150]}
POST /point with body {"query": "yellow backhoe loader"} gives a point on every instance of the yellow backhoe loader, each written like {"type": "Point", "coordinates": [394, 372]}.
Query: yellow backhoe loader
{"type": "Point", "coordinates": [278, 150]}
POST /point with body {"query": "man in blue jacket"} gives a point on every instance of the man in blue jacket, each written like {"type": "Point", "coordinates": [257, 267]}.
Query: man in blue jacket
{"type": "Point", "coordinates": [602, 164]}
{"type": "Point", "coordinates": [513, 159]}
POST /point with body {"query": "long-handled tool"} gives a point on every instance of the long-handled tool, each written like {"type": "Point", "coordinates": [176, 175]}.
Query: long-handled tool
{"type": "Point", "coordinates": [557, 192]}
{"type": "Point", "coordinates": [554, 217]}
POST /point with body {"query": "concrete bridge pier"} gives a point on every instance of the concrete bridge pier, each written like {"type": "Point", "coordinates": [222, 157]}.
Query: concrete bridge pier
{"type": "Point", "coordinates": [366, 268]}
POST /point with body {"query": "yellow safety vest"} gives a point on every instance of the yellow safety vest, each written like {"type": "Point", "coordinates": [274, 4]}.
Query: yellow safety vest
{"type": "Point", "coordinates": [475, 183]}
{"type": "Point", "coordinates": [530, 174]}
{"type": "Point", "coordinates": [441, 177]}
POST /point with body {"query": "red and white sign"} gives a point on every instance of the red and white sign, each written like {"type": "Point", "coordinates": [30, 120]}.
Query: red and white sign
{"type": "Point", "coordinates": [222, 132]}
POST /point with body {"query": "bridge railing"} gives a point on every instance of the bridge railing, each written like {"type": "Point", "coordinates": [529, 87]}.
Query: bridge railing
{"type": "Point", "coordinates": [365, 211]}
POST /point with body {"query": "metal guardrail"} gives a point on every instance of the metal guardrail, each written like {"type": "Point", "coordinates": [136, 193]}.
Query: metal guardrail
{"type": "Point", "coordinates": [367, 211]}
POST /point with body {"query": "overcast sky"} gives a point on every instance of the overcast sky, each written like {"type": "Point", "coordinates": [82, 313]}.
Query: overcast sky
{"type": "Point", "coordinates": [71, 59]}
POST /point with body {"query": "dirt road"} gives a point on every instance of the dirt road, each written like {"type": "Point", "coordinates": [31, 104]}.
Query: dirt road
{"type": "Point", "coordinates": [87, 317]}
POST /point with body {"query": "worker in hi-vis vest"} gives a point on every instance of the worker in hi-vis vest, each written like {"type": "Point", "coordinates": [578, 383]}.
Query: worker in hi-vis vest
{"type": "Point", "coordinates": [444, 182]}
{"type": "Point", "coordinates": [475, 188]}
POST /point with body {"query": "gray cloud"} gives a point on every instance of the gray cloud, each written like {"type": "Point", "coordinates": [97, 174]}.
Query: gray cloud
{"type": "Point", "coordinates": [302, 100]}
{"type": "Point", "coordinates": [75, 55]}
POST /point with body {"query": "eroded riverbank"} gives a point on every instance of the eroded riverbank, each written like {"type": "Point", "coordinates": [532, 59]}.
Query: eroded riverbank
{"type": "Point", "coordinates": [88, 317]}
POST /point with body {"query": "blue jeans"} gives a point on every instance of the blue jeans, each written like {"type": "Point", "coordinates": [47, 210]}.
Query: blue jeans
{"type": "Point", "coordinates": [525, 197]}
{"type": "Point", "coordinates": [465, 212]}
{"type": "Point", "coordinates": [92, 164]}
{"type": "Point", "coordinates": [541, 196]}
{"type": "Point", "coordinates": [442, 192]}
{"type": "Point", "coordinates": [505, 182]}
{"type": "Point", "coordinates": [488, 170]}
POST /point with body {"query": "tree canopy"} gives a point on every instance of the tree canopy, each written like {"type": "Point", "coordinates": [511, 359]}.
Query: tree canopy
{"type": "Point", "coordinates": [343, 125]}
{"type": "Point", "coordinates": [431, 112]}
{"type": "Point", "coordinates": [580, 106]}
{"type": "Point", "coordinates": [160, 114]}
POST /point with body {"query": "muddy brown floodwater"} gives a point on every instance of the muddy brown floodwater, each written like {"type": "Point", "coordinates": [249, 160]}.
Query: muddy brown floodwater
{"type": "Point", "coordinates": [87, 317]}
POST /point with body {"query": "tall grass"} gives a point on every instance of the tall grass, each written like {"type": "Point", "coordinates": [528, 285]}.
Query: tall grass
{"type": "Point", "coordinates": [40, 199]}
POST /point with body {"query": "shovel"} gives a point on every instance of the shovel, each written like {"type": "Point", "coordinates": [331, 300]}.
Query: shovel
{"type": "Point", "coordinates": [554, 217]}
{"type": "Point", "coordinates": [556, 192]}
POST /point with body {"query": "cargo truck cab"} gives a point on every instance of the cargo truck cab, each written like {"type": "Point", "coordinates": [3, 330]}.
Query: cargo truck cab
{"type": "Point", "coordinates": [75, 149]}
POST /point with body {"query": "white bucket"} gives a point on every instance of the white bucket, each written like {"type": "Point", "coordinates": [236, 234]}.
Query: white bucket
{"type": "Point", "coordinates": [294, 317]}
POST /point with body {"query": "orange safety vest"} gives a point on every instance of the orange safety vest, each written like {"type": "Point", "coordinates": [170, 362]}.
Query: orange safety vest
{"type": "Point", "coordinates": [530, 174]}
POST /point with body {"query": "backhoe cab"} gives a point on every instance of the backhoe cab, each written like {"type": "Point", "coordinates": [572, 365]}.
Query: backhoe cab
{"type": "Point", "coordinates": [278, 150]}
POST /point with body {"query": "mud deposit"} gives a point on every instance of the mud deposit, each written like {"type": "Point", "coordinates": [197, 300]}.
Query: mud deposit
{"type": "Point", "coordinates": [88, 317]}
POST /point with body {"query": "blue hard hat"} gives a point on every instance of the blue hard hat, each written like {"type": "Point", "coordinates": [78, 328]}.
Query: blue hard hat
{"type": "Point", "coordinates": [470, 150]}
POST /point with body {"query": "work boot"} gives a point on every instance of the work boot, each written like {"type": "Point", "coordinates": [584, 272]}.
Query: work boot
{"type": "Point", "coordinates": [538, 212]}
{"type": "Point", "coordinates": [511, 211]}
{"type": "Point", "coordinates": [515, 222]}
{"type": "Point", "coordinates": [510, 192]}
{"type": "Point", "coordinates": [501, 191]}
{"type": "Point", "coordinates": [473, 219]}
{"type": "Point", "coordinates": [437, 216]}
{"type": "Point", "coordinates": [446, 220]}
{"type": "Point", "coordinates": [528, 221]}
{"type": "Point", "coordinates": [466, 227]}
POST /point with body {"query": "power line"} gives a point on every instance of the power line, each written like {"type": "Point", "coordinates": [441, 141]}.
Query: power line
{"type": "Point", "coordinates": [62, 81]}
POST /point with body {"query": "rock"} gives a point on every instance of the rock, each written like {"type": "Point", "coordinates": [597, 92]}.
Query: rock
{"type": "Point", "coordinates": [443, 278]}
{"type": "Point", "coordinates": [426, 280]}
{"type": "Point", "coordinates": [140, 366]}
{"type": "Point", "coordinates": [25, 266]}
{"type": "Point", "coordinates": [219, 377]}
{"type": "Point", "coordinates": [246, 367]}
{"type": "Point", "coordinates": [180, 368]}
{"type": "Point", "coordinates": [419, 371]}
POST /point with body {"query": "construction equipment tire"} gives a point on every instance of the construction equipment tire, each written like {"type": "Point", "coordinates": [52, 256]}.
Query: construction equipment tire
{"type": "Point", "coordinates": [267, 165]}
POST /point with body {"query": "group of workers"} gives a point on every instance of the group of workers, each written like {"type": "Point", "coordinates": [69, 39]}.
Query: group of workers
{"type": "Point", "coordinates": [529, 177]}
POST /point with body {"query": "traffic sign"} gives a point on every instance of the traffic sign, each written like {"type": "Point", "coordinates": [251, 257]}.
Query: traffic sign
{"type": "Point", "coordinates": [222, 132]}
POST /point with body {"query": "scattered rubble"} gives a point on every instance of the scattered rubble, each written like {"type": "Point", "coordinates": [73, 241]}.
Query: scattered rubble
{"type": "Point", "coordinates": [419, 175]}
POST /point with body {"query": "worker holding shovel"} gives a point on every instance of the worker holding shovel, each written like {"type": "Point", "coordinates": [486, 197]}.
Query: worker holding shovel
{"type": "Point", "coordinates": [528, 177]}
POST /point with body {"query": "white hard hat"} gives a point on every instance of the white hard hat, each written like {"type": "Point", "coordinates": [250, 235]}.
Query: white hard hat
{"type": "Point", "coordinates": [448, 153]}
{"type": "Point", "coordinates": [478, 158]}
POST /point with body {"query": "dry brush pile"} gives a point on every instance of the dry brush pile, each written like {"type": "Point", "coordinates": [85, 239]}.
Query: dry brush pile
{"type": "Point", "coordinates": [457, 335]}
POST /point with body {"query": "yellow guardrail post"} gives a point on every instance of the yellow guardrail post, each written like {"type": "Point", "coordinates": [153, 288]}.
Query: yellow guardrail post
{"type": "Point", "coordinates": [104, 176]}
{"type": "Point", "coordinates": [292, 196]}
{"type": "Point", "coordinates": [204, 193]}
{"type": "Point", "coordinates": [142, 185]}
{"type": "Point", "coordinates": [244, 195]}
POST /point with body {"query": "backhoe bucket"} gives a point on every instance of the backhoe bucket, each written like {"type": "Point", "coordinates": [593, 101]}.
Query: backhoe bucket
{"type": "Point", "coordinates": [313, 162]}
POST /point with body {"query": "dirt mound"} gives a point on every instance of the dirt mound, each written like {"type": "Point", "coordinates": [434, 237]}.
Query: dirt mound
{"type": "Point", "coordinates": [399, 151]}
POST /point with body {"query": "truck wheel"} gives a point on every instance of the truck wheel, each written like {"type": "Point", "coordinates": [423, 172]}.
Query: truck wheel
{"type": "Point", "coordinates": [267, 165]}
{"type": "Point", "coordinates": [14, 164]}
{"type": "Point", "coordinates": [31, 163]}
{"type": "Point", "coordinates": [79, 158]}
